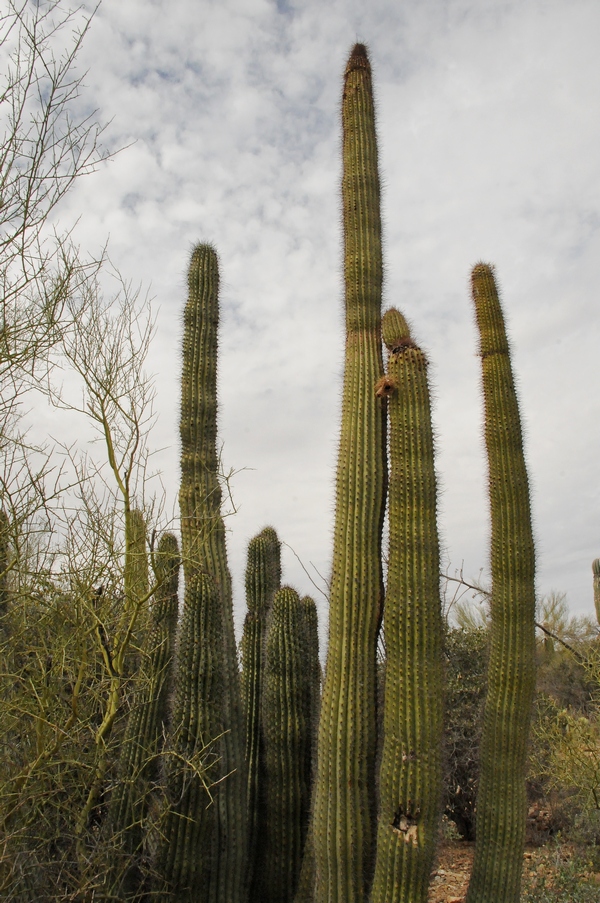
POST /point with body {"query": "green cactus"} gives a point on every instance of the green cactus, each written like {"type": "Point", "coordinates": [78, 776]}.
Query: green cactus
{"type": "Point", "coordinates": [263, 579]}
{"type": "Point", "coordinates": [186, 855]}
{"type": "Point", "coordinates": [306, 881]}
{"type": "Point", "coordinates": [138, 768]}
{"type": "Point", "coordinates": [287, 739]}
{"type": "Point", "coordinates": [204, 551]}
{"type": "Point", "coordinates": [501, 800]}
{"type": "Point", "coordinates": [596, 572]}
{"type": "Point", "coordinates": [312, 668]}
{"type": "Point", "coordinates": [344, 802]}
{"type": "Point", "coordinates": [410, 786]}
{"type": "Point", "coordinates": [136, 579]}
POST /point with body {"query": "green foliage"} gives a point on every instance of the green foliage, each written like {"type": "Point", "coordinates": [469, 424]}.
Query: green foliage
{"type": "Point", "coordinates": [564, 875]}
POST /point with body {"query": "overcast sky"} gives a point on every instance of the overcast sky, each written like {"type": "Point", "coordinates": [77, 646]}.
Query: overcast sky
{"type": "Point", "coordinates": [489, 137]}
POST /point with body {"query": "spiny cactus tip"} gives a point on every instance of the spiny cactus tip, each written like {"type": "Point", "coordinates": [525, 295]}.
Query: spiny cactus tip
{"type": "Point", "coordinates": [394, 329]}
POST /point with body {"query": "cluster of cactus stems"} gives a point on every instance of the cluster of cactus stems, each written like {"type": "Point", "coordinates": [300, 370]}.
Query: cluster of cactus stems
{"type": "Point", "coordinates": [269, 787]}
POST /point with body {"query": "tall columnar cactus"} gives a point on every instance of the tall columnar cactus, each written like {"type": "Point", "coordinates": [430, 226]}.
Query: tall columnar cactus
{"type": "Point", "coordinates": [287, 742]}
{"type": "Point", "coordinates": [263, 579]}
{"type": "Point", "coordinates": [187, 852]}
{"type": "Point", "coordinates": [596, 572]}
{"type": "Point", "coordinates": [313, 670]}
{"type": "Point", "coordinates": [138, 769]}
{"type": "Point", "coordinates": [501, 800]}
{"type": "Point", "coordinates": [344, 802]}
{"type": "Point", "coordinates": [204, 551]}
{"type": "Point", "coordinates": [411, 766]}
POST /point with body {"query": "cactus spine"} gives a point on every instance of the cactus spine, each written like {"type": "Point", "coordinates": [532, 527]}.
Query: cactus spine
{"type": "Point", "coordinates": [596, 572]}
{"type": "Point", "coordinates": [187, 852]}
{"type": "Point", "coordinates": [263, 579]}
{"type": "Point", "coordinates": [204, 551]}
{"type": "Point", "coordinates": [144, 732]}
{"type": "Point", "coordinates": [411, 765]}
{"type": "Point", "coordinates": [287, 749]}
{"type": "Point", "coordinates": [344, 802]}
{"type": "Point", "coordinates": [501, 801]}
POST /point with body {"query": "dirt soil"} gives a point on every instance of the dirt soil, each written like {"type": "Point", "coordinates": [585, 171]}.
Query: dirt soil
{"type": "Point", "coordinates": [450, 878]}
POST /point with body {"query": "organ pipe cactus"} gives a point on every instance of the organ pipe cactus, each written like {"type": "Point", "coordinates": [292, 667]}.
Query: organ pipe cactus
{"type": "Point", "coordinates": [138, 770]}
{"type": "Point", "coordinates": [596, 572]}
{"type": "Point", "coordinates": [204, 552]}
{"type": "Point", "coordinates": [411, 767]}
{"type": "Point", "coordinates": [344, 802]}
{"type": "Point", "coordinates": [288, 740]}
{"type": "Point", "coordinates": [263, 579]}
{"type": "Point", "coordinates": [187, 852]}
{"type": "Point", "coordinates": [501, 800]}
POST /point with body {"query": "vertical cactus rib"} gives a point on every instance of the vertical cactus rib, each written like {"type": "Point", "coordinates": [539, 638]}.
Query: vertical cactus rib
{"type": "Point", "coordinates": [344, 801]}
{"type": "Point", "coordinates": [263, 579]}
{"type": "Point", "coordinates": [501, 800]}
{"type": "Point", "coordinates": [411, 767]}
{"type": "Point", "coordinates": [138, 767]}
{"type": "Point", "coordinates": [287, 741]}
{"type": "Point", "coordinates": [204, 551]}
{"type": "Point", "coordinates": [187, 851]}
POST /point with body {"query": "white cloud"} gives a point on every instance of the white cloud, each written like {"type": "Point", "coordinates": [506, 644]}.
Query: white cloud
{"type": "Point", "coordinates": [488, 124]}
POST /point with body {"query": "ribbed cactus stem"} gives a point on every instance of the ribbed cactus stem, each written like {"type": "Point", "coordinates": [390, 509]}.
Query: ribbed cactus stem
{"type": "Point", "coordinates": [204, 551]}
{"type": "Point", "coordinates": [596, 572]}
{"type": "Point", "coordinates": [186, 854]}
{"type": "Point", "coordinates": [410, 784]}
{"type": "Point", "coordinates": [263, 579]}
{"type": "Point", "coordinates": [136, 559]}
{"type": "Point", "coordinates": [501, 800]}
{"type": "Point", "coordinates": [344, 803]}
{"type": "Point", "coordinates": [305, 892]}
{"type": "Point", "coordinates": [287, 741]}
{"type": "Point", "coordinates": [139, 765]}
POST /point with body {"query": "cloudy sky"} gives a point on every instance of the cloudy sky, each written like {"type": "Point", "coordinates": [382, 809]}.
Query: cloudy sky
{"type": "Point", "coordinates": [488, 134]}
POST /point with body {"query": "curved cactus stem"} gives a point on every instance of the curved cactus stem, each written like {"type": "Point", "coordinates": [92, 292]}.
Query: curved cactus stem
{"type": "Point", "coordinates": [501, 800]}
{"type": "Point", "coordinates": [344, 802]}
{"type": "Point", "coordinates": [410, 786]}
